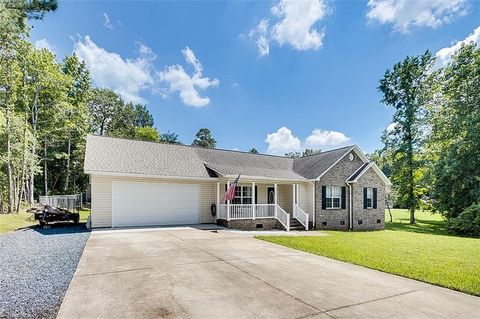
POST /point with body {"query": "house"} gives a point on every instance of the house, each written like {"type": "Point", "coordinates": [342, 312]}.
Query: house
{"type": "Point", "coordinates": [138, 183]}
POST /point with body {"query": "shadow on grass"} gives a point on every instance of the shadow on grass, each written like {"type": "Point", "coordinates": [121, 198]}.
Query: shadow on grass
{"type": "Point", "coordinates": [422, 226]}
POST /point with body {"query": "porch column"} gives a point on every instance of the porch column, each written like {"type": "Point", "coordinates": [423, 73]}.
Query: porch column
{"type": "Point", "coordinates": [253, 200]}
{"type": "Point", "coordinates": [218, 200]}
{"type": "Point", "coordinates": [293, 199]}
{"type": "Point", "coordinates": [275, 198]}
{"type": "Point", "coordinates": [228, 203]}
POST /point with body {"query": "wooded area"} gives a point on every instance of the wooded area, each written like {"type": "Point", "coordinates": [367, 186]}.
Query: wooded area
{"type": "Point", "coordinates": [432, 150]}
{"type": "Point", "coordinates": [47, 109]}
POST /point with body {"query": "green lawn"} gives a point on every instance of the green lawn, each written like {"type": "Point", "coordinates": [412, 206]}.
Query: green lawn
{"type": "Point", "coordinates": [84, 213]}
{"type": "Point", "coordinates": [424, 251]}
{"type": "Point", "coordinates": [11, 222]}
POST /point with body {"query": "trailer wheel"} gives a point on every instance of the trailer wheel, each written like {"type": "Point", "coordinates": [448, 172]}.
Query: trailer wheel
{"type": "Point", "coordinates": [76, 219]}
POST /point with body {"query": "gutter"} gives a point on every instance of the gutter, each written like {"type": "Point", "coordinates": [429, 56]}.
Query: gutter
{"type": "Point", "coordinates": [350, 207]}
{"type": "Point", "coordinates": [314, 204]}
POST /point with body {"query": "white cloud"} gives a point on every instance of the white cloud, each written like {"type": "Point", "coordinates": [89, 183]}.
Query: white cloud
{"type": "Point", "coordinates": [106, 22]}
{"type": "Point", "coordinates": [146, 52]}
{"type": "Point", "coordinates": [188, 85]}
{"type": "Point", "coordinates": [320, 138]}
{"type": "Point", "coordinates": [261, 33]}
{"type": "Point", "coordinates": [296, 25]}
{"type": "Point", "coordinates": [405, 14]}
{"type": "Point", "coordinates": [282, 141]}
{"type": "Point", "coordinates": [43, 44]}
{"type": "Point", "coordinates": [444, 55]}
{"type": "Point", "coordinates": [108, 69]}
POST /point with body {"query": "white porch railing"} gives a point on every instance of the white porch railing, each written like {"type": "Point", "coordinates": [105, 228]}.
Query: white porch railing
{"type": "Point", "coordinates": [240, 211]}
{"type": "Point", "coordinates": [248, 211]}
{"type": "Point", "coordinates": [283, 217]}
{"type": "Point", "coordinates": [265, 211]}
{"type": "Point", "coordinates": [300, 215]}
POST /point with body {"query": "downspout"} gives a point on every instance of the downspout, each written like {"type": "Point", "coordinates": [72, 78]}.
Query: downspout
{"type": "Point", "coordinates": [350, 207]}
{"type": "Point", "coordinates": [314, 204]}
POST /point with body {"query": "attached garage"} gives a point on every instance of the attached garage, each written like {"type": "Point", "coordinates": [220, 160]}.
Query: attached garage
{"type": "Point", "coordinates": [140, 204]}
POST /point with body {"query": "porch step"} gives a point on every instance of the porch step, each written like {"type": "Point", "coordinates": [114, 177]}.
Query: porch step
{"type": "Point", "coordinates": [295, 224]}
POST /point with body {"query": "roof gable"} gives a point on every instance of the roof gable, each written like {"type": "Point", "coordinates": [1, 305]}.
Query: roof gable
{"type": "Point", "coordinates": [314, 166]}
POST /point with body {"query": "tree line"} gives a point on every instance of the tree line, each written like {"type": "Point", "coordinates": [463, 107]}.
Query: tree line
{"type": "Point", "coordinates": [431, 151]}
{"type": "Point", "coordinates": [47, 109]}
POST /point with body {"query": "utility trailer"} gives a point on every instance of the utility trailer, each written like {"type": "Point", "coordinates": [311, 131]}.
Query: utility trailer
{"type": "Point", "coordinates": [47, 214]}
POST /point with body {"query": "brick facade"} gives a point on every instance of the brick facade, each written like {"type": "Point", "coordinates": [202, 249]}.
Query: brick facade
{"type": "Point", "coordinates": [338, 219]}
{"type": "Point", "coordinates": [369, 217]}
{"type": "Point", "coordinates": [248, 224]}
{"type": "Point", "coordinates": [335, 177]}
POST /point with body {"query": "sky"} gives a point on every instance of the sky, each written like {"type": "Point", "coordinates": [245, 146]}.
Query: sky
{"type": "Point", "coordinates": [278, 76]}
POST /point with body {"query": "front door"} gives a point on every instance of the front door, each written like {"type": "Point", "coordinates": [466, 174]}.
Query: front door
{"type": "Point", "coordinates": [270, 195]}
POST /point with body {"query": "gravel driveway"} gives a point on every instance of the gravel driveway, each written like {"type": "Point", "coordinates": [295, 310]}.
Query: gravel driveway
{"type": "Point", "coordinates": [36, 267]}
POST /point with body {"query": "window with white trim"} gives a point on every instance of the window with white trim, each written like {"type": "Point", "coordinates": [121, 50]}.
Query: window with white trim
{"type": "Point", "coordinates": [333, 197]}
{"type": "Point", "coordinates": [369, 197]}
{"type": "Point", "coordinates": [243, 195]}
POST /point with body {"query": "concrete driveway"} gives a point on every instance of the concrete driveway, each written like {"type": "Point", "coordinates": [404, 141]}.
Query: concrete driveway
{"type": "Point", "coordinates": [192, 273]}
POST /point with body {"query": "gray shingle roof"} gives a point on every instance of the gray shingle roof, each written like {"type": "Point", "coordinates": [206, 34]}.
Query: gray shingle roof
{"type": "Point", "coordinates": [248, 164]}
{"type": "Point", "coordinates": [116, 155]}
{"type": "Point", "coordinates": [313, 166]}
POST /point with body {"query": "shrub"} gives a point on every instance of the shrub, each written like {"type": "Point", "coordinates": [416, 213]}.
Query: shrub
{"type": "Point", "coordinates": [467, 223]}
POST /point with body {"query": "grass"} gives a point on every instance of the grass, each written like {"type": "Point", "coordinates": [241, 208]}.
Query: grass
{"type": "Point", "coordinates": [11, 222]}
{"type": "Point", "coordinates": [424, 251]}
{"type": "Point", "coordinates": [84, 213]}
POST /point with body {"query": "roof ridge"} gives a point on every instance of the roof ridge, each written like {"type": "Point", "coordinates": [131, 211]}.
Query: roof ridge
{"type": "Point", "coordinates": [218, 149]}
{"type": "Point", "coordinates": [334, 149]}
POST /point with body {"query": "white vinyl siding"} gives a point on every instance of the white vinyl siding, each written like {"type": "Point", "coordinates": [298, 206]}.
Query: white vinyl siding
{"type": "Point", "coordinates": [102, 196]}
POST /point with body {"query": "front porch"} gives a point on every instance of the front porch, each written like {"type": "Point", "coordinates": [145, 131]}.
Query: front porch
{"type": "Point", "coordinates": [260, 205]}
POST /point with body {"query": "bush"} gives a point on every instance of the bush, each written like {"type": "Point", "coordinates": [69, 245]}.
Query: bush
{"type": "Point", "coordinates": [467, 223]}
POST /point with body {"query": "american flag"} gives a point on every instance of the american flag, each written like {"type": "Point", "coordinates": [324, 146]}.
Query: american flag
{"type": "Point", "coordinates": [230, 193]}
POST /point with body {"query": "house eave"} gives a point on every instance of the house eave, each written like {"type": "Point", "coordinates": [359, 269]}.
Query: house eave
{"type": "Point", "coordinates": [122, 174]}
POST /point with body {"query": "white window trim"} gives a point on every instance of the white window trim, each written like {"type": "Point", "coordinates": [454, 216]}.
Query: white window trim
{"type": "Point", "coordinates": [339, 197]}
{"type": "Point", "coordinates": [242, 197]}
{"type": "Point", "coordinates": [370, 196]}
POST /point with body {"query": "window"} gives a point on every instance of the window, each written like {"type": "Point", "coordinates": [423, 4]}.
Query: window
{"type": "Point", "coordinates": [243, 195]}
{"type": "Point", "coordinates": [334, 197]}
{"type": "Point", "coordinates": [369, 197]}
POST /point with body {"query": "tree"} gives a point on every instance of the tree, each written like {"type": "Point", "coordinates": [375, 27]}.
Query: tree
{"type": "Point", "coordinates": [14, 15]}
{"type": "Point", "coordinates": [404, 89]}
{"type": "Point", "coordinates": [147, 133]}
{"type": "Point", "coordinates": [253, 150]}
{"type": "Point", "coordinates": [204, 138]}
{"type": "Point", "coordinates": [170, 138]}
{"type": "Point", "coordinates": [454, 141]}
{"type": "Point", "coordinates": [103, 105]}
{"type": "Point", "coordinates": [142, 118]}
{"type": "Point", "coordinates": [77, 116]}
{"type": "Point", "coordinates": [306, 152]}
{"type": "Point", "coordinates": [311, 151]}
{"type": "Point", "coordinates": [293, 154]}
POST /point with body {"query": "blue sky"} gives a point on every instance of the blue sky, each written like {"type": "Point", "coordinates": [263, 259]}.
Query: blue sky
{"type": "Point", "coordinates": [275, 75]}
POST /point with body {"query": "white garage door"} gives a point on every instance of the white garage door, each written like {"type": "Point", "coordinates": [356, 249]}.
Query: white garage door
{"type": "Point", "coordinates": [141, 204]}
